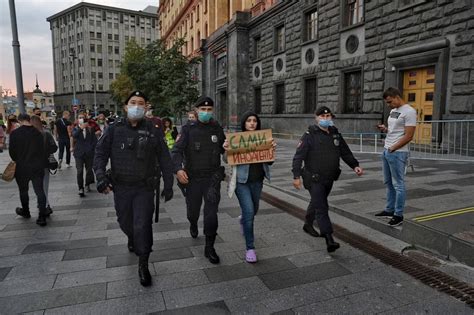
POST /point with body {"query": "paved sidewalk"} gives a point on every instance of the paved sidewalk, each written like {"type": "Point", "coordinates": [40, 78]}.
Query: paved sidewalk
{"type": "Point", "coordinates": [79, 264]}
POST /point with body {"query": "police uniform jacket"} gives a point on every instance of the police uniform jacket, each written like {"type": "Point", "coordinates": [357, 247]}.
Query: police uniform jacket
{"type": "Point", "coordinates": [121, 143]}
{"type": "Point", "coordinates": [199, 146]}
{"type": "Point", "coordinates": [321, 152]}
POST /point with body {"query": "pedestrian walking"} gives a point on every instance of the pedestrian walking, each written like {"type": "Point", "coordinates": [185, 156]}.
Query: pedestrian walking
{"type": "Point", "coordinates": [248, 187]}
{"type": "Point", "coordinates": [49, 148]}
{"type": "Point", "coordinates": [400, 131]}
{"type": "Point", "coordinates": [62, 133]}
{"type": "Point", "coordinates": [321, 148]}
{"type": "Point", "coordinates": [26, 145]}
{"type": "Point", "coordinates": [85, 142]}
{"type": "Point", "coordinates": [170, 132]}
{"type": "Point", "coordinates": [134, 146]}
{"type": "Point", "coordinates": [200, 146]}
{"type": "Point", "coordinates": [102, 122]}
{"type": "Point", "coordinates": [192, 115]}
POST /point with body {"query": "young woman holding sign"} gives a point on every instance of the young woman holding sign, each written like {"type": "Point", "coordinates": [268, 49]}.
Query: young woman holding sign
{"type": "Point", "coordinates": [248, 186]}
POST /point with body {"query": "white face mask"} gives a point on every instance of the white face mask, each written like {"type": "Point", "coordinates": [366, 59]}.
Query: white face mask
{"type": "Point", "coordinates": [135, 112]}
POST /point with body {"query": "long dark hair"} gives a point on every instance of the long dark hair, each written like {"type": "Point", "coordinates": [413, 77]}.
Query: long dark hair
{"type": "Point", "coordinates": [245, 116]}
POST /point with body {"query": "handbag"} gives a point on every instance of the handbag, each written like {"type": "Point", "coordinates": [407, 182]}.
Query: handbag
{"type": "Point", "coordinates": [52, 162]}
{"type": "Point", "coordinates": [9, 172]}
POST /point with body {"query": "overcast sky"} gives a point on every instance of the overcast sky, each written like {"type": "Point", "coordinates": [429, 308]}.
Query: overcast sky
{"type": "Point", "coordinates": [35, 38]}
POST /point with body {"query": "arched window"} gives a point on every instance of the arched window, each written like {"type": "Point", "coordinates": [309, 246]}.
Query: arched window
{"type": "Point", "coordinates": [206, 31]}
{"type": "Point", "coordinates": [192, 45]}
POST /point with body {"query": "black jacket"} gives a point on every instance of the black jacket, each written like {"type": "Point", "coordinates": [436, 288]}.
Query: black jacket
{"type": "Point", "coordinates": [26, 145]}
{"type": "Point", "coordinates": [84, 147]}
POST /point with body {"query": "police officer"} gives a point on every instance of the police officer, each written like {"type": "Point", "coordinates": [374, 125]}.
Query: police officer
{"type": "Point", "coordinates": [320, 148]}
{"type": "Point", "coordinates": [135, 146]}
{"type": "Point", "coordinates": [199, 146]}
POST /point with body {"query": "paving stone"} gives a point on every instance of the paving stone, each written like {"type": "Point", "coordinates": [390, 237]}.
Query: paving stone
{"type": "Point", "coordinates": [217, 308]}
{"type": "Point", "coordinates": [155, 256]}
{"type": "Point", "coordinates": [212, 292]}
{"type": "Point", "coordinates": [35, 270]}
{"type": "Point", "coordinates": [145, 303]}
{"type": "Point", "coordinates": [39, 258]}
{"type": "Point", "coordinates": [28, 285]}
{"type": "Point", "coordinates": [245, 270]}
{"type": "Point", "coordinates": [343, 201]}
{"type": "Point", "coordinates": [311, 258]}
{"type": "Point", "coordinates": [441, 305]}
{"type": "Point", "coordinates": [52, 298]}
{"type": "Point", "coordinates": [283, 279]}
{"type": "Point", "coordinates": [285, 312]}
{"type": "Point", "coordinates": [34, 226]}
{"type": "Point", "coordinates": [423, 193]}
{"type": "Point", "coordinates": [360, 263]}
{"type": "Point", "coordinates": [80, 278]}
{"type": "Point", "coordinates": [55, 246]}
{"type": "Point", "coordinates": [160, 283]}
{"type": "Point", "coordinates": [11, 250]}
{"type": "Point", "coordinates": [279, 300]}
{"type": "Point", "coordinates": [194, 263]}
{"type": "Point", "coordinates": [80, 253]}
{"type": "Point", "coordinates": [4, 272]}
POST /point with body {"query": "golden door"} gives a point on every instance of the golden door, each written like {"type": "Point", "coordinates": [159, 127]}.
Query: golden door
{"type": "Point", "coordinates": [418, 91]}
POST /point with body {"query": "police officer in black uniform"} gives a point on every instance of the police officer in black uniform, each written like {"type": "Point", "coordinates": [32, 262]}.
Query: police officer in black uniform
{"type": "Point", "coordinates": [199, 146]}
{"type": "Point", "coordinates": [320, 148]}
{"type": "Point", "coordinates": [135, 146]}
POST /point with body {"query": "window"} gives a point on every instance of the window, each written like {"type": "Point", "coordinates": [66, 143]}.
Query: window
{"type": "Point", "coordinates": [101, 87]}
{"type": "Point", "coordinates": [99, 49]}
{"type": "Point", "coordinates": [205, 6]}
{"type": "Point", "coordinates": [111, 50]}
{"type": "Point", "coordinates": [257, 41]}
{"type": "Point", "coordinates": [109, 24]}
{"type": "Point", "coordinates": [353, 12]}
{"type": "Point", "coordinates": [99, 35]}
{"type": "Point", "coordinates": [117, 63]}
{"type": "Point", "coordinates": [93, 75]}
{"type": "Point", "coordinates": [191, 21]}
{"type": "Point", "coordinates": [109, 36]}
{"type": "Point", "coordinates": [111, 76]}
{"type": "Point", "coordinates": [197, 13]}
{"type": "Point", "coordinates": [311, 26]}
{"type": "Point", "coordinates": [192, 44]}
{"type": "Point", "coordinates": [98, 23]}
{"type": "Point", "coordinates": [99, 62]}
{"type": "Point", "coordinates": [279, 98]}
{"type": "Point", "coordinates": [117, 51]}
{"type": "Point", "coordinates": [91, 22]}
{"type": "Point", "coordinates": [100, 75]}
{"type": "Point", "coordinates": [222, 67]}
{"type": "Point", "coordinates": [116, 25]}
{"type": "Point", "coordinates": [279, 38]}
{"type": "Point", "coordinates": [116, 37]}
{"type": "Point", "coordinates": [257, 99]}
{"type": "Point", "coordinates": [206, 30]}
{"type": "Point", "coordinates": [353, 92]}
{"type": "Point", "coordinates": [91, 34]}
{"type": "Point", "coordinates": [310, 95]}
{"type": "Point", "coordinates": [93, 62]}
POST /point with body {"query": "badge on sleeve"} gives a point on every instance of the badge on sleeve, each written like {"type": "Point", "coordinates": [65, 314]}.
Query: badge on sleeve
{"type": "Point", "coordinates": [336, 140]}
{"type": "Point", "coordinates": [299, 144]}
{"type": "Point", "coordinates": [177, 138]}
{"type": "Point", "coordinates": [214, 138]}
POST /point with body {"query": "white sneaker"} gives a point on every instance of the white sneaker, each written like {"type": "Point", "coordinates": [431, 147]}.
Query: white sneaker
{"type": "Point", "coordinates": [68, 165]}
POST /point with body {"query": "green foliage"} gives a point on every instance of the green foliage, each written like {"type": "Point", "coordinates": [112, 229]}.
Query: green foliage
{"type": "Point", "coordinates": [164, 75]}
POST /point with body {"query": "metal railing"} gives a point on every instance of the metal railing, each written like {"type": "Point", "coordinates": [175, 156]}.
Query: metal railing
{"type": "Point", "coordinates": [451, 140]}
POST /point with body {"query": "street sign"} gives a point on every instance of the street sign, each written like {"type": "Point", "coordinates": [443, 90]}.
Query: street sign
{"type": "Point", "coordinates": [75, 101]}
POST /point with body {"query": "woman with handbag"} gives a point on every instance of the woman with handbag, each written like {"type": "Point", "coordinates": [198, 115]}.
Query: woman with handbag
{"type": "Point", "coordinates": [49, 147]}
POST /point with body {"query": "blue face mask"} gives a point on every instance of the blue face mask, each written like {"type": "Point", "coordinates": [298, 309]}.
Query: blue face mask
{"type": "Point", "coordinates": [204, 116]}
{"type": "Point", "coordinates": [135, 112]}
{"type": "Point", "coordinates": [323, 123]}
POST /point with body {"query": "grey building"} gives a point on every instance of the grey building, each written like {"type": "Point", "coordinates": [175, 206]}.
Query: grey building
{"type": "Point", "coordinates": [303, 54]}
{"type": "Point", "coordinates": [89, 42]}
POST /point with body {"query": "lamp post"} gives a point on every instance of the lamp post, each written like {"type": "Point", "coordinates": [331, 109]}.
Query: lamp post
{"type": "Point", "coordinates": [17, 59]}
{"type": "Point", "coordinates": [73, 57]}
{"type": "Point", "coordinates": [94, 86]}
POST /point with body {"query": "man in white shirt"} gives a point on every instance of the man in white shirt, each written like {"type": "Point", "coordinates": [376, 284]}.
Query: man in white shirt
{"type": "Point", "coordinates": [400, 131]}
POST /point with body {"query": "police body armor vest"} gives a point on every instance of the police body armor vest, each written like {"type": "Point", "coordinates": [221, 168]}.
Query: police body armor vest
{"type": "Point", "coordinates": [132, 157]}
{"type": "Point", "coordinates": [203, 151]}
{"type": "Point", "coordinates": [324, 155]}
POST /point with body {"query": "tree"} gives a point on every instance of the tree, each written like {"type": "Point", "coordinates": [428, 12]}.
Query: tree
{"type": "Point", "coordinates": [164, 75]}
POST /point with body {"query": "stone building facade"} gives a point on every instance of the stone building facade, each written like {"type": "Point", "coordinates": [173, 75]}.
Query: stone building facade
{"type": "Point", "coordinates": [89, 42]}
{"type": "Point", "coordinates": [303, 54]}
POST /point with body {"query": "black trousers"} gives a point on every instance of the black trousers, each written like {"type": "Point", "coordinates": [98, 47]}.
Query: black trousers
{"type": "Point", "coordinates": [134, 206]}
{"type": "Point", "coordinates": [64, 144]}
{"type": "Point", "coordinates": [318, 206]}
{"type": "Point", "coordinates": [86, 163]}
{"type": "Point", "coordinates": [196, 192]}
{"type": "Point", "coordinates": [23, 176]}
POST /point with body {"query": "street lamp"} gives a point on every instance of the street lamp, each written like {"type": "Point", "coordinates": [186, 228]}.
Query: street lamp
{"type": "Point", "coordinates": [94, 87]}
{"type": "Point", "coordinates": [73, 56]}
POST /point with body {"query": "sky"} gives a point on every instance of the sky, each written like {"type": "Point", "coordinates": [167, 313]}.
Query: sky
{"type": "Point", "coordinates": [35, 39]}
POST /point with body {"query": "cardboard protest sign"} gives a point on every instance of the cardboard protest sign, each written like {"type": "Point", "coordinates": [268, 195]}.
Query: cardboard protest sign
{"type": "Point", "coordinates": [250, 147]}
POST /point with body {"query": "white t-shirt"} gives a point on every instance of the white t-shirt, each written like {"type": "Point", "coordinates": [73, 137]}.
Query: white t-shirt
{"type": "Point", "coordinates": [404, 116]}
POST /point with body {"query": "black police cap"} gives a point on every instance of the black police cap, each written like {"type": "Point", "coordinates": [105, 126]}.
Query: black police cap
{"type": "Point", "coordinates": [323, 110]}
{"type": "Point", "coordinates": [136, 93]}
{"type": "Point", "coordinates": [204, 101]}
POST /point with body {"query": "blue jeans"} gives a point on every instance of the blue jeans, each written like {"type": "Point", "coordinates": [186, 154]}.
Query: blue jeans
{"type": "Point", "coordinates": [394, 165]}
{"type": "Point", "coordinates": [249, 198]}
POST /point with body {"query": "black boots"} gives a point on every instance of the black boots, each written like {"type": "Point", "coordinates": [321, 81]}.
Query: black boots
{"type": "Point", "coordinates": [309, 228]}
{"type": "Point", "coordinates": [209, 250]}
{"type": "Point", "coordinates": [143, 272]}
{"type": "Point", "coordinates": [23, 213]}
{"type": "Point", "coordinates": [331, 244]}
{"type": "Point", "coordinates": [193, 230]}
{"type": "Point", "coordinates": [130, 245]}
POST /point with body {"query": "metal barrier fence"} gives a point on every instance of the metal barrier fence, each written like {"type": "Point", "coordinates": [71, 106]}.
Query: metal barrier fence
{"type": "Point", "coordinates": [450, 140]}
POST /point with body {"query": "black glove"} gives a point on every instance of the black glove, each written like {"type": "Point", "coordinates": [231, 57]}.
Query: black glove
{"type": "Point", "coordinates": [167, 194]}
{"type": "Point", "coordinates": [102, 184]}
